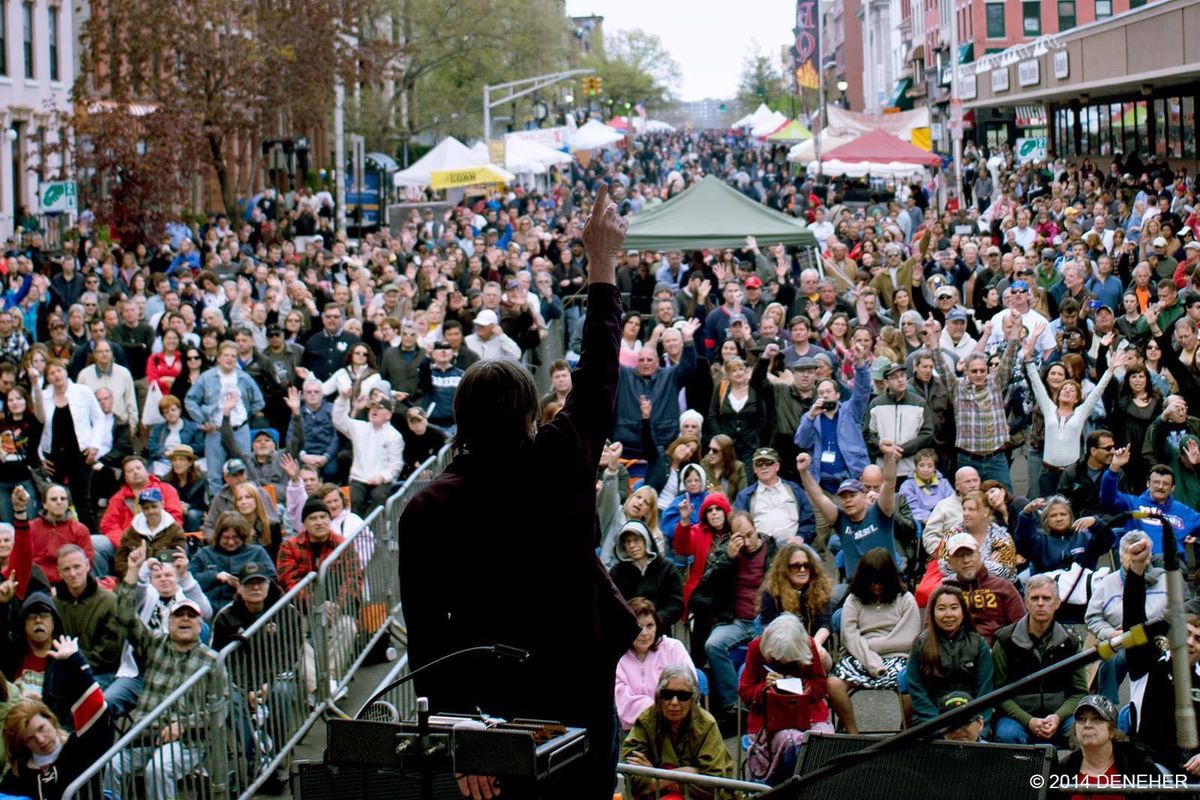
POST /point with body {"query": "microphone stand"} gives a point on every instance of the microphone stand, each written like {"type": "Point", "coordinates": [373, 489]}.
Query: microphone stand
{"type": "Point", "coordinates": [502, 650]}
{"type": "Point", "coordinates": [1177, 636]}
{"type": "Point", "coordinates": [1135, 636]}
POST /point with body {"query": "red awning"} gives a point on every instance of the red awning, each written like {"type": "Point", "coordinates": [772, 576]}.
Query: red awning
{"type": "Point", "coordinates": [877, 147]}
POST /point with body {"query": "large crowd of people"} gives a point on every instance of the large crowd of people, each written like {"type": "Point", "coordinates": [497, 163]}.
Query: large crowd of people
{"type": "Point", "coordinates": [915, 462]}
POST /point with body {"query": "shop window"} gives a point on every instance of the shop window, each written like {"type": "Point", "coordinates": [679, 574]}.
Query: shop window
{"type": "Point", "coordinates": [1116, 119]}
{"type": "Point", "coordinates": [1160, 126]}
{"type": "Point", "coordinates": [1105, 130]}
{"type": "Point", "coordinates": [1175, 121]}
{"type": "Point", "coordinates": [1189, 127]}
{"type": "Point", "coordinates": [1066, 15]}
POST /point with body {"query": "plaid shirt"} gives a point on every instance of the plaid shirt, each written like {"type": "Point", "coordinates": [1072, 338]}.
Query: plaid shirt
{"type": "Point", "coordinates": [979, 412]}
{"type": "Point", "coordinates": [14, 346]}
{"type": "Point", "coordinates": [164, 668]}
{"type": "Point", "coordinates": [299, 556]}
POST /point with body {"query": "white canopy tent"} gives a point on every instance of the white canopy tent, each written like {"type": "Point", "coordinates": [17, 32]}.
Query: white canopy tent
{"type": "Point", "coordinates": [893, 170]}
{"type": "Point", "coordinates": [757, 117]}
{"type": "Point", "coordinates": [449, 153]}
{"type": "Point", "coordinates": [830, 138]}
{"type": "Point", "coordinates": [594, 135]}
{"type": "Point", "coordinates": [769, 124]}
{"type": "Point", "coordinates": [526, 155]}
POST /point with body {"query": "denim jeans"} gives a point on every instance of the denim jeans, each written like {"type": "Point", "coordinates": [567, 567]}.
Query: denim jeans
{"type": "Point", "coordinates": [1008, 731]}
{"type": "Point", "coordinates": [215, 455]}
{"type": "Point", "coordinates": [160, 767]}
{"type": "Point", "coordinates": [6, 490]}
{"type": "Point", "coordinates": [1110, 675]}
{"type": "Point", "coordinates": [724, 638]}
{"type": "Point", "coordinates": [993, 467]}
{"type": "Point", "coordinates": [103, 555]}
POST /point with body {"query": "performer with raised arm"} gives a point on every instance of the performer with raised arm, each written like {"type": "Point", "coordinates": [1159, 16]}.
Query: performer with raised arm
{"type": "Point", "coordinates": [527, 580]}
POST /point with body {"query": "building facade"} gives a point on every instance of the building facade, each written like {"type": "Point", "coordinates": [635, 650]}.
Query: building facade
{"type": "Point", "coordinates": [37, 66]}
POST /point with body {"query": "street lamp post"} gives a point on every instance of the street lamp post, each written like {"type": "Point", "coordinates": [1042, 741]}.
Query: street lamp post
{"type": "Point", "coordinates": [514, 89]}
{"type": "Point", "coordinates": [842, 86]}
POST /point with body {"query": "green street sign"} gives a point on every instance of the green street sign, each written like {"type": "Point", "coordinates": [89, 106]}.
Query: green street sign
{"type": "Point", "coordinates": [58, 197]}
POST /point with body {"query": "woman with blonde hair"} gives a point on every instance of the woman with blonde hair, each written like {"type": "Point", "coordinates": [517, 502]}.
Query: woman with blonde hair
{"type": "Point", "coordinates": [666, 475]}
{"type": "Point", "coordinates": [641, 505]}
{"type": "Point", "coordinates": [248, 502]}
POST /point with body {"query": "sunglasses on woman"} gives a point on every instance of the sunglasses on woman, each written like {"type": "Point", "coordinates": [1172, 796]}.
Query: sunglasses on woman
{"type": "Point", "coordinates": [682, 695]}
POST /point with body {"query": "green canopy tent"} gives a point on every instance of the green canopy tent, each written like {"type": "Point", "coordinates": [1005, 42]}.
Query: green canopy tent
{"type": "Point", "coordinates": [712, 214]}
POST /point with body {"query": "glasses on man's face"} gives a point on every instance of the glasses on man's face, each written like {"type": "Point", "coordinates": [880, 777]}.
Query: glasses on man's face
{"type": "Point", "coordinates": [1108, 447]}
{"type": "Point", "coordinates": [763, 463]}
{"type": "Point", "coordinates": [1020, 291]}
{"type": "Point", "coordinates": [682, 695]}
{"type": "Point", "coordinates": [977, 370]}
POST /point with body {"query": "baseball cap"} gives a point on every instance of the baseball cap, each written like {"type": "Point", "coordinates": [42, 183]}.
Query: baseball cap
{"type": "Point", "coordinates": [1192, 246]}
{"type": "Point", "coordinates": [274, 330]}
{"type": "Point", "coordinates": [442, 344]}
{"type": "Point", "coordinates": [391, 287]}
{"type": "Point", "coordinates": [183, 603]}
{"type": "Point", "coordinates": [961, 540]}
{"type": "Point", "coordinates": [383, 402]}
{"type": "Point", "coordinates": [253, 571]}
{"type": "Point", "coordinates": [945, 291]}
{"type": "Point", "coordinates": [766, 454]}
{"type": "Point", "coordinates": [828, 359]}
{"type": "Point", "coordinates": [851, 485]}
{"type": "Point", "coordinates": [1020, 286]}
{"type": "Point", "coordinates": [151, 494]}
{"type": "Point", "coordinates": [805, 362]}
{"type": "Point", "coordinates": [1107, 308]}
{"type": "Point", "coordinates": [270, 433]}
{"type": "Point", "coordinates": [892, 369]}
{"type": "Point", "coordinates": [1159, 242]}
{"type": "Point", "coordinates": [486, 317]}
{"type": "Point", "coordinates": [1101, 705]}
{"type": "Point", "coordinates": [878, 366]}
{"type": "Point", "coordinates": [952, 701]}
{"type": "Point", "coordinates": [736, 318]}
{"type": "Point", "coordinates": [234, 466]}
{"type": "Point", "coordinates": [956, 315]}
{"type": "Point", "coordinates": [993, 251]}
{"type": "Point", "coordinates": [754, 282]}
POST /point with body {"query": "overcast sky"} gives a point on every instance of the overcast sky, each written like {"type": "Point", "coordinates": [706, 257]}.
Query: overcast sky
{"type": "Point", "coordinates": [708, 40]}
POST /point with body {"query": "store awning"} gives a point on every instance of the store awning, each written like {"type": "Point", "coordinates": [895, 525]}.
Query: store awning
{"type": "Point", "coordinates": [1030, 117]}
{"type": "Point", "coordinates": [900, 99]}
{"type": "Point", "coordinates": [469, 176]}
{"type": "Point", "coordinates": [966, 53]}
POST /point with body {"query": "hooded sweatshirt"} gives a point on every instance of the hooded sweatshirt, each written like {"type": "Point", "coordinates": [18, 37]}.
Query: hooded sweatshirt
{"type": "Point", "coordinates": [164, 536]}
{"type": "Point", "coordinates": [670, 515]}
{"type": "Point", "coordinates": [654, 579]}
{"type": "Point", "coordinates": [697, 540]}
{"type": "Point", "coordinates": [49, 537]}
{"type": "Point", "coordinates": [40, 676]}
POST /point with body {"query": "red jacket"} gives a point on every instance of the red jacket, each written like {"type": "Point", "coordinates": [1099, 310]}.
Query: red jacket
{"type": "Point", "coordinates": [157, 368]}
{"type": "Point", "coordinates": [753, 686]}
{"type": "Point", "coordinates": [299, 556]}
{"type": "Point", "coordinates": [696, 540]}
{"type": "Point", "coordinates": [48, 537]}
{"type": "Point", "coordinates": [122, 508]}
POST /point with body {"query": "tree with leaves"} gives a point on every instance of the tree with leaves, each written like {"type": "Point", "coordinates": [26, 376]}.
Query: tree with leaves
{"type": "Point", "coordinates": [636, 68]}
{"type": "Point", "coordinates": [762, 82]}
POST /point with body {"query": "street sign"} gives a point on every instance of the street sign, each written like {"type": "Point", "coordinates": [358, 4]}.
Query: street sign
{"type": "Point", "coordinates": [956, 116]}
{"type": "Point", "coordinates": [58, 197]}
{"type": "Point", "coordinates": [1031, 149]}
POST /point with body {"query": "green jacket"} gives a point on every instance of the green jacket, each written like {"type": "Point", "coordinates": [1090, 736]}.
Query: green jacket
{"type": "Point", "coordinates": [1164, 440]}
{"type": "Point", "coordinates": [93, 619]}
{"type": "Point", "coordinates": [698, 745]}
{"type": "Point", "coordinates": [1016, 654]}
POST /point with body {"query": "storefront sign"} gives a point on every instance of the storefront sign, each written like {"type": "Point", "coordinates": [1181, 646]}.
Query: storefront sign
{"type": "Point", "coordinates": [1029, 73]}
{"type": "Point", "coordinates": [967, 87]}
{"type": "Point", "coordinates": [1062, 64]}
{"type": "Point", "coordinates": [1031, 149]}
{"type": "Point", "coordinates": [1000, 80]}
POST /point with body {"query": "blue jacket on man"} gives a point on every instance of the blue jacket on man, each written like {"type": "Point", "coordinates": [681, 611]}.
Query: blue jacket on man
{"type": "Point", "coordinates": [662, 388]}
{"type": "Point", "coordinates": [806, 528]}
{"type": "Point", "coordinates": [205, 398]}
{"type": "Point", "coordinates": [849, 429]}
{"type": "Point", "coordinates": [1183, 518]}
{"type": "Point", "coordinates": [320, 437]}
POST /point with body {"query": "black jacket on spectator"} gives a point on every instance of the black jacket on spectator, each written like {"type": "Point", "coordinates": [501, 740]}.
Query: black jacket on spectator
{"type": "Point", "coordinates": [528, 580]}
{"type": "Point", "coordinates": [717, 591]}
{"type": "Point", "coordinates": [403, 374]}
{"type": "Point", "coordinates": [325, 354]}
{"type": "Point", "coordinates": [749, 428]}
{"type": "Point", "coordinates": [659, 582]}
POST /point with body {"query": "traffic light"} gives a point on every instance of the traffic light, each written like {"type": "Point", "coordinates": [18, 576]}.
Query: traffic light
{"type": "Point", "coordinates": [589, 86]}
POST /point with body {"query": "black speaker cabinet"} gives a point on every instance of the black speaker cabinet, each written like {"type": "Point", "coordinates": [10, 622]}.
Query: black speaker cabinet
{"type": "Point", "coordinates": [317, 781]}
{"type": "Point", "coordinates": [927, 770]}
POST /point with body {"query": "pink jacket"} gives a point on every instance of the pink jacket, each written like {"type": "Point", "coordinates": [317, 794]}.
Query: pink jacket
{"type": "Point", "coordinates": [636, 680]}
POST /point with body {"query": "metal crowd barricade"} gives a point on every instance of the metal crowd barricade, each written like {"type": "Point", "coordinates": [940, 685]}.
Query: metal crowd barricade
{"type": "Point", "coordinates": [685, 780]}
{"type": "Point", "coordinates": [155, 759]}
{"type": "Point", "coordinates": [357, 596]}
{"type": "Point", "coordinates": [268, 671]}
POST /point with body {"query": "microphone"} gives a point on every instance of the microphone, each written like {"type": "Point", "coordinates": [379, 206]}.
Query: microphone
{"type": "Point", "coordinates": [1177, 636]}
{"type": "Point", "coordinates": [502, 650]}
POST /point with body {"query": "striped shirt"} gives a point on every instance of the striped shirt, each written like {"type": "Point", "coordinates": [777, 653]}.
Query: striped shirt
{"type": "Point", "coordinates": [979, 411]}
